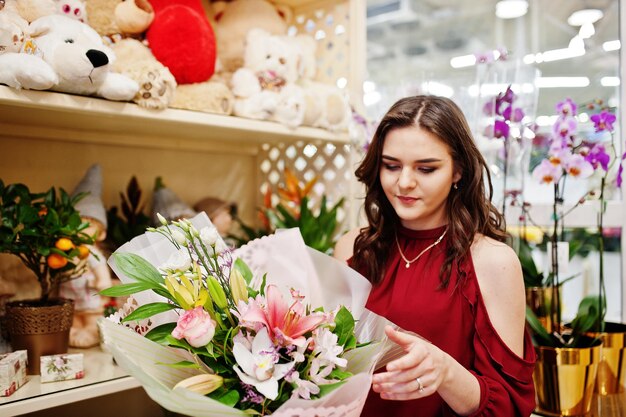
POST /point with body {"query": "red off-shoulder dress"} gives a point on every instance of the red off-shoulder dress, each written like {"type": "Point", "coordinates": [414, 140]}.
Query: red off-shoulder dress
{"type": "Point", "coordinates": [456, 320]}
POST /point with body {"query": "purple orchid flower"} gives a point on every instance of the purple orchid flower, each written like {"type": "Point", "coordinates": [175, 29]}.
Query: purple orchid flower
{"type": "Point", "coordinates": [620, 170]}
{"type": "Point", "coordinates": [598, 156]}
{"type": "Point", "coordinates": [501, 129]}
{"type": "Point", "coordinates": [603, 121]}
{"type": "Point", "coordinates": [566, 108]}
{"type": "Point", "coordinates": [513, 114]}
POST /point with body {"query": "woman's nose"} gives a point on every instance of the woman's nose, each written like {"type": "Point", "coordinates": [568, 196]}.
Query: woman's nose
{"type": "Point", "coordinates": [407, 178]}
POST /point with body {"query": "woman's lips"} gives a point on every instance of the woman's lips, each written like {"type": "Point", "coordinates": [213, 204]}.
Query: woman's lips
{"type": "Point", "coordinates": [406, 199]}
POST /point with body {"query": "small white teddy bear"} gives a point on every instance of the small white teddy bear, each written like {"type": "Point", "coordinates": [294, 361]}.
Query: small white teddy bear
{"type": "Point", "coordinates": [65, 55]}
{"type": "Point", "coordinates": [264, 87]}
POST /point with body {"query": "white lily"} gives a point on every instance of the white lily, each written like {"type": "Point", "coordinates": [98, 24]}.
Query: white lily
{"type": "Point", "coordinates": [258, 366]}
{"type": "Point", "coordinates": [209, 235]}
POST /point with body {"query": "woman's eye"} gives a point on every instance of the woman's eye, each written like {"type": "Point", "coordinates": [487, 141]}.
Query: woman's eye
{"type": "Point", "coordinates": [391, 167]}
{"type": "Point", "coordinates": [426, 170]}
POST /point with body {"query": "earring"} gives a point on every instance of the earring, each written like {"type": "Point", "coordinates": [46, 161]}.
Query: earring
{"type": "Point", "coordinates": [455, 186]}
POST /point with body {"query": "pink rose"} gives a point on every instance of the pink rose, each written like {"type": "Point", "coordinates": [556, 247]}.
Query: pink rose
{"type": "Point", "coordinates": [196, 326]}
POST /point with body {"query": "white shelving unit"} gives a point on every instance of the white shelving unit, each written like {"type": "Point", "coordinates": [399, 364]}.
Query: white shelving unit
{"type": "Point", "coordinates": [102, 377]}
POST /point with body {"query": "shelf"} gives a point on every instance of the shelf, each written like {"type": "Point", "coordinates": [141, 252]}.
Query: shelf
{"type": "Point", "coordinates": [102, 377]}
{"type": "Point", "coordinates": [60, 116]}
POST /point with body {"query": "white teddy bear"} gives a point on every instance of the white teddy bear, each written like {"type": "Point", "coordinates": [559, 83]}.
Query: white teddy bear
{"type": "Point", "coordinates": [65, 55]}
{"type": "Point", "coordinates": [264, 87]}
{"type": "Point", "coordinates": [326, 105]}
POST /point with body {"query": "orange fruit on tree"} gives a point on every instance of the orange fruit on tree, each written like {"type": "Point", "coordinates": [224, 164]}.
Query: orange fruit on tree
{"type": "Point", "coordinates": [64, 244]}
{"type": "Point", "coordinates": [56, 261]}
{"type": "Point", "coordinates": [83, 251]}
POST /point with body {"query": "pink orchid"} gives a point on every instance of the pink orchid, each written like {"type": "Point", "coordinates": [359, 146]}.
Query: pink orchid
{"type": "Point", "coordinates": [547, 173]}
{"type": "Point", "coordinates": [286, 323]}
{"type": "Point", "coordinates": [578, 167]}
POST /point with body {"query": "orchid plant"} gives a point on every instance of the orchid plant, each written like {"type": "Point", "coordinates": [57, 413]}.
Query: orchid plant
{"type": "Point", "coordinates": [571, 155]}
{"type": "Point", "coordinates": [257, 348]}
{"type": "Point", "coordinates": [506, 112]}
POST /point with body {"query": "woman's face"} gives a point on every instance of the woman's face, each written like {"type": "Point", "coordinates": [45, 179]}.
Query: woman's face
{"type": "Point", "coordinates": [417, 174]}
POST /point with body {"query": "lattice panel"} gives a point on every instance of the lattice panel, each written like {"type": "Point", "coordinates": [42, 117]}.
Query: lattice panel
{"type": "Point", "coordinates": [329, 162]}
{"type": "Point", "coordinates": [328, 24]}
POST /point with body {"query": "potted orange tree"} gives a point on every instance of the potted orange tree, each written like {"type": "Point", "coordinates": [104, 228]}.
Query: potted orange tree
{"type": "Point", "coordinates": [46, 232]}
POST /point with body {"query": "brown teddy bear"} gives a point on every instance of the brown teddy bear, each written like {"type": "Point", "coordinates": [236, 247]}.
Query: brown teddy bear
{"type": "Point", "coordinates": [156, 83]}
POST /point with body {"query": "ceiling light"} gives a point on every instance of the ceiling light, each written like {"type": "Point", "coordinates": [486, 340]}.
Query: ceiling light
{"type": "Point", "coordinates": [511, 9]}
{"type": "Point", "coordinates": [609, 81]}
{"type": "Point", "coordinates": [437, 89]}
{"type": "Point", "coordinates": [581, 17]}
{"type": "Point", "coordinates": [463, 61]}
{"type": "Point", "coordinates": [611, 45]}
{"type": "Point", "coordinates": [586, 30]}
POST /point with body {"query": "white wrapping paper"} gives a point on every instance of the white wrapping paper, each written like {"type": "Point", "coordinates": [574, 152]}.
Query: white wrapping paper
{"type": "Point", "coordinates": [289, 264]}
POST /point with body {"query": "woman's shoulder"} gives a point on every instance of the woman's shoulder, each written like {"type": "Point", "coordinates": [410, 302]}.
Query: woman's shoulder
{"type": "Point", "coordinates": [345, 245]}
{"type": "Point", "coordinates": [498, 270]}
{"type": "Point", "coordinates": [488, 251]}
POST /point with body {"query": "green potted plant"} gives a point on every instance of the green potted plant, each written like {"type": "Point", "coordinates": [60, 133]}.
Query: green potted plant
{"type": "Point", "coordinates": [318, 229]}
{"type": "Point", "coordinates": [46, 232]}
{"type": "Point", "coordinates": [611, 377]}
{"type": "Point", "coordinates": [568, 358]}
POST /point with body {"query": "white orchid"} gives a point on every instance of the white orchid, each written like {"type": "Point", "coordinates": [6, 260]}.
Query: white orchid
{"type": "Point", "coordinates": [327, 347]}
{"type": "Point", "coordinates": [303, 388]}
{"type": "Point", "coordinates": [259, 366]}
{"type": "Point", "coordinates": [319, 371]}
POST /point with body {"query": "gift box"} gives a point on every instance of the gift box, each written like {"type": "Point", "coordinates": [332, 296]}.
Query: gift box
{"type": "Point", "coordinates": [12, 372]}
{"type": "Point", "coordinates": [62, 367]}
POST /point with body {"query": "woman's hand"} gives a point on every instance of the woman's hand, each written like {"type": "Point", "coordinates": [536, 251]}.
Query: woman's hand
{"type": "Point", "coordinates": [417, 374]}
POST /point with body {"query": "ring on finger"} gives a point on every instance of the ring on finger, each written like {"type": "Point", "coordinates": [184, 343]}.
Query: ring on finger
{"type": "Point", "coordinates": [420, 386]}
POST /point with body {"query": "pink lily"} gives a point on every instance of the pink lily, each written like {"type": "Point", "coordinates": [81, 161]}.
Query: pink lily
{"type": "Point", "coordinates": [286, 323]}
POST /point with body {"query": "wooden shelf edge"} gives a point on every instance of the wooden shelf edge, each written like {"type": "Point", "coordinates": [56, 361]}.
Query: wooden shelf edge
{"type": "Point", "coordinates": [72, 113]}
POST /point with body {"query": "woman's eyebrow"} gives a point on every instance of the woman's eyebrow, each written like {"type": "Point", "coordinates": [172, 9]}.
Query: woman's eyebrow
{"type": "Point", "coordinates": [421, 161]}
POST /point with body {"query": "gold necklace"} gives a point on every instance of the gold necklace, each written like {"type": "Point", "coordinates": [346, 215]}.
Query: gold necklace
{"type": "Point", "coordinates": [408, 263]}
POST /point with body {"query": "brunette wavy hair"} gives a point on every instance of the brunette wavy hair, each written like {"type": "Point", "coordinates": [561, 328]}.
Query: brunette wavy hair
{"type": "Point", "coordinates": [469, 210]}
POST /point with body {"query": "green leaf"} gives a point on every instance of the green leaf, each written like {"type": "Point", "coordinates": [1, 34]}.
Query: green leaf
{"type": "Point", "coordinates": [230, 398]}
{"type": "Point", "coordinates": [159, 333]}
{"type": "Point", "coordinates": [327, 388]}
{"type": "Point", "coordinates": [339, 374]}
{"type": "Point", "coordinates": [137, 268]}
{"type": "Point", "coordinates": [126, 289]}
{"type": "Point", "coordinates": [181, 365]}
{"type": "Point", "coordinates": [344, 326]}
{"type": "Point", "coordinates": [148, 310]}
{"type": "Point", "coordinates": [241, 266]}
{"type": "Point", "coordinates": [539, 331]}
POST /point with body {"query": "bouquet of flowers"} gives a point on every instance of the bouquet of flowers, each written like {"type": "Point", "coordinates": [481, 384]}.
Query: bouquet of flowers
{"type": "Point", "coordinates": [228, 339]}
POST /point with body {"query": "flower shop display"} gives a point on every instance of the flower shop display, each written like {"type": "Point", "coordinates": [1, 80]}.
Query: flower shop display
{"type": "Point", "coordinates": [46, 232]}
{"type": "Point", "coordinates": [227, 338]}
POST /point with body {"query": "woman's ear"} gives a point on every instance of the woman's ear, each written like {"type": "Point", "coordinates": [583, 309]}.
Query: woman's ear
{"type": "Point", "coordinates": [456, 177]}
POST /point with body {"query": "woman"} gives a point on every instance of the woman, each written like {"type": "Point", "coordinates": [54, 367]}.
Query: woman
{"type": "Point", "coordinates": [434, 253]}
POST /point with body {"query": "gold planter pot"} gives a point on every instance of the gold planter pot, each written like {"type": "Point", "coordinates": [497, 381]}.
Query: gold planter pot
{"type": "Point", "coordinates": [612, 367]}
{"type": "Point", "coordinates": [40, 329]}
{"type": "Point", "coordinates": [564, 379]}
